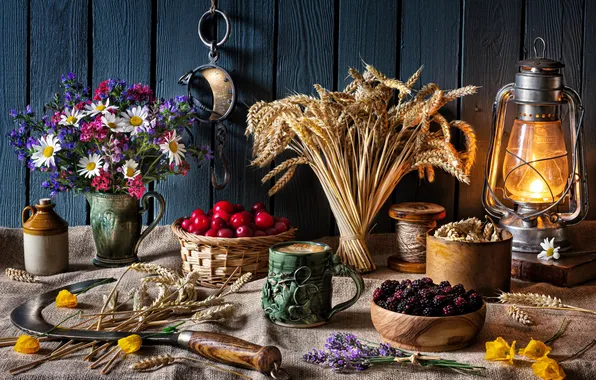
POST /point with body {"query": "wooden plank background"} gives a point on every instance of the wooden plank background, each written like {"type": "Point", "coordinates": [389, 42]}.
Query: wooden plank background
{"type": "Point", "coordinates": [276, 48]}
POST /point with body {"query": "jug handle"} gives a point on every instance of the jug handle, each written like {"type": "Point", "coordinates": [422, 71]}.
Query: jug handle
{"type": "Point", "coordinates": [144, 208]}
{"type": "Point", "coordinates": [27, 213]}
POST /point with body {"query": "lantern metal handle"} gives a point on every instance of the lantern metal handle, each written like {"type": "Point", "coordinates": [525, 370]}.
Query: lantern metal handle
{"type": "Point", "coordinates": [491, 171]}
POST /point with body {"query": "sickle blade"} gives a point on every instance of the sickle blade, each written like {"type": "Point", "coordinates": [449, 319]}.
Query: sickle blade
{"type": "Point", "coordinates": [28, 318]}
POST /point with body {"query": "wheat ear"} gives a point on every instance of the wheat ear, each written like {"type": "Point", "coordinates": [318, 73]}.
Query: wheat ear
{"type": "Point", "coordinates": [519, 315]}
{"type": "Point", "coordinates": [19, 275]}
{"type": "Point", "coordinates": [154, 363]}
{"type": "Point", "coordinates": [539, 301]}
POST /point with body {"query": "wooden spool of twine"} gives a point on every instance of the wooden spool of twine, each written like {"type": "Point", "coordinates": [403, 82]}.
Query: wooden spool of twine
{"type": "Point", "coordinates": [413, 221]}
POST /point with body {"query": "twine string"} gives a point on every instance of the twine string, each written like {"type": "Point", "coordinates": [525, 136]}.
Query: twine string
{"type": "Point", "coordinates": [213, 6]}
{"type": "Point", "coordinates": [411, 240]}
{"type": "Point", "coordinates": [415, 358]}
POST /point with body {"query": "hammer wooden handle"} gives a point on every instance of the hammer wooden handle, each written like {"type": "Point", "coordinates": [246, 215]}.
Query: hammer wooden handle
{"type": "Point", "coordinates": [233, 351]}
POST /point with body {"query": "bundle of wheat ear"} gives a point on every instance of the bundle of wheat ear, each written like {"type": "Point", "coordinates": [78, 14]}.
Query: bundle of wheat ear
{"type": "Point", "coordinates": [359, 146]}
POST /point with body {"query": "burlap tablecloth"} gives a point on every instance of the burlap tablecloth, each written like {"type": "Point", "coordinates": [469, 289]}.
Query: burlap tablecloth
{"type": "Point", "coordinates": [162, 248]}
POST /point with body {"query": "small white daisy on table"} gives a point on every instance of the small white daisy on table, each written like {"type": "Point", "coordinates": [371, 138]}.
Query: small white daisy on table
{"type": "Point", "coordinates": [549, 251]}
{"type": "Point", "coordinates": [90, 165]}
{"type": "Point", "coordinates": [45, 151]}
{"type": "Point", "coordinates": [135, 119]}
{"type": "Point", "coordinates": [70, 117]}
{"type": "Point", "coordinates": [129, 169]}
{"type": "Point", "coordinates": [113, 122]}
{"type": "Point", "coordinates": [99, 108]}
{"type": "Point", "coordinates": [174, 149]}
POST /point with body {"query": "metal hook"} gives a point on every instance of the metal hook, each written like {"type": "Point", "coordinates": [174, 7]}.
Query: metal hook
{"type": "Point", "coordinates": [536, 47]}
{"type": "Point", "coordinates": [221, 142]}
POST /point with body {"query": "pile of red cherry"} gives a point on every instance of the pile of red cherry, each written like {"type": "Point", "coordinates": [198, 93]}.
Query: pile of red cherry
{"type": "Point", "coordinates": [227, 220]}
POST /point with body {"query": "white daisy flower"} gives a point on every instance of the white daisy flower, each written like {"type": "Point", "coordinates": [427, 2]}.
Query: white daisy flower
{"type": "Point", "coordinates": [129, 169]}
{"type": "Point", "coordinates": [173, 148]}
{"type": "Point", "coordinates": [135, 119]}
{"type": "Point", "coordinates": [45, 151]}
{"type": "Point", "coordinates": [70, 117]}
{"type": "Point", "coordinates": [99, 108]}
{"type": "Point", "coordinates": [89, 166]}
{"type": "Point", "coordinates": [549, 250]}
{"type": "Point", "coordinates": [113, 122]}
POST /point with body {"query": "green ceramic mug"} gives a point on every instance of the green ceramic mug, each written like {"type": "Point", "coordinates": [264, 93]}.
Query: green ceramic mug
{"type": "Point", "coordinates": [298, 289]}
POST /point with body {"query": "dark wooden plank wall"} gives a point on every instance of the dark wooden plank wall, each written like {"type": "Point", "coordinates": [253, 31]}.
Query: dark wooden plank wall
{"type": "Point", "coordinates": [278, 47]}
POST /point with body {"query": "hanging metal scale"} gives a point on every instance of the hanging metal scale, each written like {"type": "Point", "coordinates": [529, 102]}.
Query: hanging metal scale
{"type": "Point", "coordinates": [211, 90]}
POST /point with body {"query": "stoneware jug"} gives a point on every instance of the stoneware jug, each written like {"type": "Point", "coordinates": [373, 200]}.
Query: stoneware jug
{"type": "Point", "coordinates": [45, 239]}
{"type": "Point", "coordinates": [116, 223]}
{"type": "Point", "coordinates": [298, 289]}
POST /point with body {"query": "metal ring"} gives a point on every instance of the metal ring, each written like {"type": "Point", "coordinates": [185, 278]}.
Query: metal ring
{"type": "Point", "coordinates": [225, 37]}
{"type": "Point", "coordinates": [277, 371]}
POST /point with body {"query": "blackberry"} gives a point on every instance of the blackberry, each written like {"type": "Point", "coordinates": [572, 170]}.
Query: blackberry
{"type": "Point", "coordinates": [475, 301]}
{"type": "Point", "coordinates": [408, 292]}
{"type": "Point", "coordinates": [378, 294]}
{"type": "Point", "coordinates": [382, 304]}
{"type": "Point", "coordinates": [392, 306]}
{"type": "Point", "coordinates": [446, 290]}
{"type": "Point", "coordinates": [439, 300]}
{"type": "Point", "coordinates": [399, 294]}
{"type": "Point", "coordinates": [427, 280]}
{"type": "Point", "coordinates": [458, 290]}
{"type": "Point", "coordinates": [444, 284]}
{"type": "Point", "coordinates": [425, 293]}
{"type": "Point", "coordinates": [449, 310]}
{"type": "Point", "coordinates": [418, 283]}
{"type": "Point", "coordinates": [429, 312]}
{"type": "Point", "coordinates": [388, 287]}
{"type": "Point", "coordinates": [401, 308]}
{"type": "Point", "coordinates": [461, 304]}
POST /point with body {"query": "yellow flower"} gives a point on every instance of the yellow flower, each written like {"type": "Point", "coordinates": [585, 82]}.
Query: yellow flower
{"type": "Point", "coordinates": [499, 349]}
{"type": "Point", "coordinates": [548, 369]}
{"type": "Point", "coordinates": [27, 344]}
{"type": "Point", "coordinates": [535, 350]}
{"type": "Point", "coordinates": [130, 344]}
{"type": "Point", "coordinates": [66, 299]}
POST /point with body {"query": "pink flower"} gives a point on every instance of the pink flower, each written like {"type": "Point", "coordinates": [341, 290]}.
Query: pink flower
{"type": "Point", "coordinates": [102, 181]}
{"type": "Point", "coordinates": [101, 90]}
{"type": "Point", "coordinates": [136, 187]}
{"type": "Point", "coordinates": [94, 129]}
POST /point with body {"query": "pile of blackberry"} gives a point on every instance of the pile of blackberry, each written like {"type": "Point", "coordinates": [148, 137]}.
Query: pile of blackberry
{"type": "Point", "coordinates": [424, 297]}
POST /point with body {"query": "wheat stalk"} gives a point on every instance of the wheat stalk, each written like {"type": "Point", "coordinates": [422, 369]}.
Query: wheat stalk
{"type": "Point", "coordinates": [19, 275]}
{"type": "Point", "coordinates": [359, 147]}
{"type": "Point", "coordinates": [519, 315]}
{"type": "Point", "coordinates": [154, 363]}
{"type": "Point", "coordinates": [539, 301]}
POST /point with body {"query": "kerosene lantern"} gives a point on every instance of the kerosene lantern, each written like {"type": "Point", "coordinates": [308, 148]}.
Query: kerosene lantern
{"type": "Point", "coordinates": [536, 174]}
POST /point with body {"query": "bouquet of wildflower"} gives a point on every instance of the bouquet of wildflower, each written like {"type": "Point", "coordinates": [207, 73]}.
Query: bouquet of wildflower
{"type": "Point", "coordinates": [115, 142]}
{"type": "Point", "coordinates": [344, 352]}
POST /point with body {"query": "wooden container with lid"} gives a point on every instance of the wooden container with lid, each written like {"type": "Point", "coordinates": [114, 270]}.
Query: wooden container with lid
{"type": "Point", "coordinates": [45, 239]}
{"type": "Point", "coordinates": [412, 221]}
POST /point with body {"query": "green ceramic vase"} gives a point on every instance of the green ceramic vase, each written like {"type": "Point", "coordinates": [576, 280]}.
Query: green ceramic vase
{"type": "Point", "coordinates": [116, 221]}
{"type": "Point", "coordinates": [298, 290]}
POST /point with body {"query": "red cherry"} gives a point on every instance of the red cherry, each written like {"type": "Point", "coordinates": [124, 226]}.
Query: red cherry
{"type": "Point", "coordinates": [240, 219]}
{"type": "Point", "coordinates": [225, 233]}
{"type": "Point", "coordinates": [244, 231]}
{"type": "Point", "coordinates": [238, 207]}
{"type": "Point", "coordinates": [285, 221]}
{"type": "Point", "coordinates": [271, 231]}
{"type": "Point", "coordinates": [280, 227]}
{"type": "Point", "coordinates": [225, 206]}
{"type": "Point", "coordinates": [212, 233]}
{"type": "Point", "coordinates": [260, 233]}
{"type": "Point", "coordinates": [258, 206]}
{"type": "Point", "coordinates": [247, 215]}
{"type": "Point", "coordinates": [185, 224]}
{"type": "Point", "coordinates": [196, 213]}
{"type": "Point", "coordinates": [254, 227]}
{"type": "Point", "coordinates": [203, 222]}
{"type": "Point", "coordinates": [264, 220]}
{"type": "Point", "coordinates": [210, 212]}
{"type": "Point", "coordinates": [222, 214]}
{"type": "Point", "coordinates": [217, 224]}
{"type": "Point", "coordinates": [193, 229]}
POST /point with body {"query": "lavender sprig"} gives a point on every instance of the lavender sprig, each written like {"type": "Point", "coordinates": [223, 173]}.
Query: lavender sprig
{"type": "Point", "coordinates": [344, 352]}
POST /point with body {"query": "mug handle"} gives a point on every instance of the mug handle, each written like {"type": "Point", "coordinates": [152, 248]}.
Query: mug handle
{"type": "Point", "coordinates": [144, 208]}
{"type": "Point", "coordinates": [340, 268]}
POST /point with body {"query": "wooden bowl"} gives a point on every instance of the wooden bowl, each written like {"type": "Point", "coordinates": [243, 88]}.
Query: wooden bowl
{"type": "Point", "coordinates": [427, 334]}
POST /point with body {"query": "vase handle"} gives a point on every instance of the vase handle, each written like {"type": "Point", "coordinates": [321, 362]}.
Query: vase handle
{"type": "Point", "coordinates": [27, 213]}
{"type": "Point", "coordinates": [342, 269]}
{"type": "Point", "coordinates": [144, 208]}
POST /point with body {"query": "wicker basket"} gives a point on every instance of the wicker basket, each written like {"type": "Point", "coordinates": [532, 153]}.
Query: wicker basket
{"type": "Point", "coordinates": [216, 259]}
